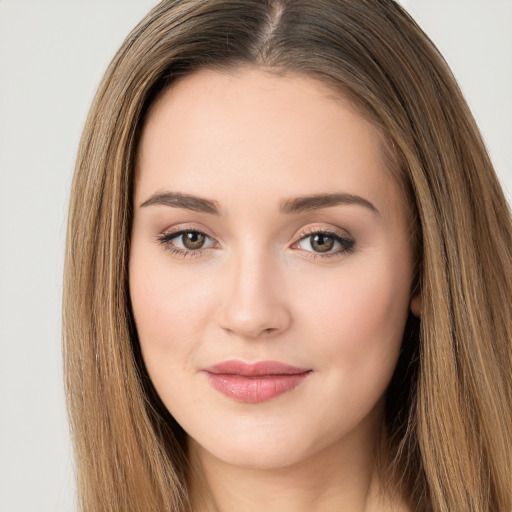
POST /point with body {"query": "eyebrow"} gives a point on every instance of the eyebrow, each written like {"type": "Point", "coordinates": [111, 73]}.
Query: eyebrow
{"type": "Point", "coordinates": [187, 201]}
{"type": "Point", "coordinates": [318, 201]}
{"type": "Point", "coordinates": [290, 206]}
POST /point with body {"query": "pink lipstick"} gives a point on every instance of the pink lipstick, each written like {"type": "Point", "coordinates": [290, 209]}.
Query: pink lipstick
{"type": "Point", "coordinates": [254, 382]}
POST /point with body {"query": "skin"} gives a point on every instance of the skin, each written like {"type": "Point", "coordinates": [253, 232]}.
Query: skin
{"type": "Point", "coordinates": [260, 290]}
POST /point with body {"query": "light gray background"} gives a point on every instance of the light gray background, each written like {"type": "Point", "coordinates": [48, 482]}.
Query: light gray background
{"type": "Point", "coordinates": [52, 56]}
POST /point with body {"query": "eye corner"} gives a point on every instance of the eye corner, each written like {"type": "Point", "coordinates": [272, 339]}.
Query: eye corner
{"type": "Point", "coordinates": [169, 240]}
{"type": "Point", "coordinates": [343, 244]}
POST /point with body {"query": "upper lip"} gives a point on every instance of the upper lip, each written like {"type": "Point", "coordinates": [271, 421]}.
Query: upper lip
{"type": "Point", "coordinates": [258, 369]}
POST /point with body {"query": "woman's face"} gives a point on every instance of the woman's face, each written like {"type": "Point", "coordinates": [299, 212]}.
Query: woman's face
{"type": "Point", "coordinates": [270, 267]}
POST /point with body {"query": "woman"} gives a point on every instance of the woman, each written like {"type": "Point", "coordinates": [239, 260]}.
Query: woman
{"type": "Point", "coordinates": [288, 274]}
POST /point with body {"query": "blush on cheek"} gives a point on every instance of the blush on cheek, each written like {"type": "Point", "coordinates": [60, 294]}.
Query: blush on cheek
{"type": "Point", "coordinates": [361, 317]}
{"type": "Point", "coordinates": [172, 307]}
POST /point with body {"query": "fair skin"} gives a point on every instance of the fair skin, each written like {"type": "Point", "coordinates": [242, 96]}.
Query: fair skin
{"type": "Point", "coordinates": [252, 275]}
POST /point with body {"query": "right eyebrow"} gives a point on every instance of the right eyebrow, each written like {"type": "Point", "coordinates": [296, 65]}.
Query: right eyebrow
{"type": "Point", "coordinates": [187, 201]}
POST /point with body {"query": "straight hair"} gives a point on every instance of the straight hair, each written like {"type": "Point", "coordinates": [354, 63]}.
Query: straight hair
{"type": "Point", "coordinates": [449, 404]}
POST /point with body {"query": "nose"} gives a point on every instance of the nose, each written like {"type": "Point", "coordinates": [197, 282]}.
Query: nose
{"type": "Point", "coordinates": [255, 304]}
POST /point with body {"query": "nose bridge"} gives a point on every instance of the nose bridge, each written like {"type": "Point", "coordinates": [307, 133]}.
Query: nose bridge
{"type": "Point", "coordinates": [254, 303]}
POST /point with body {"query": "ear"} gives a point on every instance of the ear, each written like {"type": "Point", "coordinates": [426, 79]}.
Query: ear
{"type": "Point", "coordinates": [416, 305]}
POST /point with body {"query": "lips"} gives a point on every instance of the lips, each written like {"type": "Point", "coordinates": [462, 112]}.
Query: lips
{"type": "Point", "coordinates": [254, 382]}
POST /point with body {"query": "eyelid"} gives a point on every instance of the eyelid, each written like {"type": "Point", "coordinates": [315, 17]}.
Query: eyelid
{"type": "Point", "coordinates": [345, 240]}
{"type": "Point", "coordinates": [164, 238]}
{"type": "Point", "coordinates": [316, 229]}
{"type": "Point", "coordinates": [185, 228]}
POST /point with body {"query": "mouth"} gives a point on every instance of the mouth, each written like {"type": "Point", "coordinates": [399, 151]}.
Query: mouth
{"type": "Point", "coordinates": [254, 382]}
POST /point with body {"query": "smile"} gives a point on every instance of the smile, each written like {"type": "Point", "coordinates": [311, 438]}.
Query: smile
{"type": "Point", "coordinates": [254, 383]}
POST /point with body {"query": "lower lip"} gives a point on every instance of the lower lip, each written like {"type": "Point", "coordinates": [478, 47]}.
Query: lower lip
{"type": "Point", "coordinates": [253, 390]}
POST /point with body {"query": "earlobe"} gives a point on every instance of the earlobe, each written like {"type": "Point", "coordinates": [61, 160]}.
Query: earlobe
{"type": "Point", "coordinates": [416, 305]}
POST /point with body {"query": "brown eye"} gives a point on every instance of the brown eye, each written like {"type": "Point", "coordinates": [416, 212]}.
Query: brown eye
{"type": "Point", "coordinates": [186, 241]}
{"type": "Point", "coordinates": [322, 242]}
{"type": "Point", "coordinates": [325, 243]}
{"type": "Point", "coordinates": [193, 240]}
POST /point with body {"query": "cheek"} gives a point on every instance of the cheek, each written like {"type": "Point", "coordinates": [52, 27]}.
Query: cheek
{"type": "Point", "coordinates": [357, 321]}
{"type": "Point", "coordinates": [170, 312]}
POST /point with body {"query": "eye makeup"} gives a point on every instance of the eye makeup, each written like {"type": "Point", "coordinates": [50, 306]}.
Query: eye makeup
{"type": "Point", "coordinates": [314, 242]}
{"type": "Point", "coordinates": [322, 241]}
{"type": "Point", "coordinates": [186, 242]}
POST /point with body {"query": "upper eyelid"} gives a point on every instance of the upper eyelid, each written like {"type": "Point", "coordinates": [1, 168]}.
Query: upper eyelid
{"type": "Point", "coordinates": [186, 229]}
{"type": "Point", "coordinates": [324, 230]}
{"type": "Point", "coordinates": [166, 237]}
{"type": "Point", "coordinates": [333, 234]}
{"type": "Point", "coordinates": [301, 234]}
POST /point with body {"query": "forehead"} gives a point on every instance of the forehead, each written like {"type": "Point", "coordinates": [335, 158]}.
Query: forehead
{"type": "Point", "coordinates": [253, 130]}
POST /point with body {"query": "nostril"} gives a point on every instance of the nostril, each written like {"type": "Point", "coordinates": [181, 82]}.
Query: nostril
{"type": "Point", "coordinates": [252, 333]}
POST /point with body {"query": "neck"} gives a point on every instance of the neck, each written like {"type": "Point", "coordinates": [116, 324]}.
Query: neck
{"type": "Point", "coordinates": [342, 477]}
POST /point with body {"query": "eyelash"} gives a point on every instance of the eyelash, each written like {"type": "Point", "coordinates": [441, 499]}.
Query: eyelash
{"type": "Point", "coordinates": [165, 239]}
{"type": "Point", "coordinates": [347, 244]}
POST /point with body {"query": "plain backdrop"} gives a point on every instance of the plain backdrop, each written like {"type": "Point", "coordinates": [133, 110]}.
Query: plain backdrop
{"type": "Point", "coordinates": [52, 56]}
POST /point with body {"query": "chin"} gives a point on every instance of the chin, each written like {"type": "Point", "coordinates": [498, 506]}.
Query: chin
{"type": "Point", "coordinates": [258, 446]}
{"type": "Point", "coordinates": [256, 456]}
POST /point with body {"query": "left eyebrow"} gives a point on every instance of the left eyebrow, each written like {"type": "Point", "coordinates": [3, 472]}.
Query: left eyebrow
{"type": "Point", "coordinates": [316, 202]}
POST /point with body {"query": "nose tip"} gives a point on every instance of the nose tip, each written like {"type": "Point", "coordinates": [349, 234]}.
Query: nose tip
{"type": "Point", "coordinates": [255, 305]}
{"type": "Point", "coordinates": [255, 316]}
{"type": "Point", "coordinates": [250, 327]}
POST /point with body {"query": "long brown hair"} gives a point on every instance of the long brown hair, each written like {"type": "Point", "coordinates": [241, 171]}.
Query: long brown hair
{"type": "Point", "coordinates": [449, 409]}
